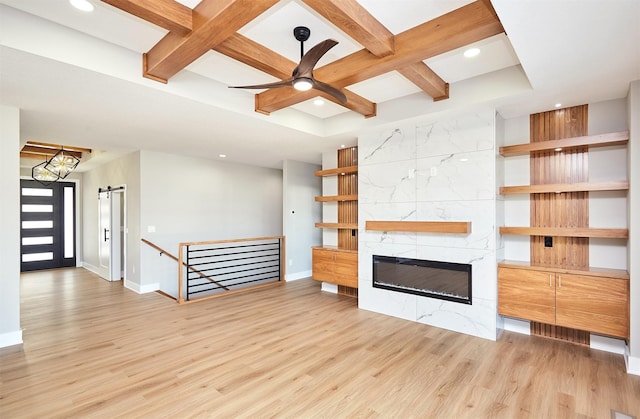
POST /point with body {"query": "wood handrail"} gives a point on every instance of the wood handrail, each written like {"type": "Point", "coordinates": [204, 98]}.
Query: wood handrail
{"type": "Point", "coordinates": [191, 268]}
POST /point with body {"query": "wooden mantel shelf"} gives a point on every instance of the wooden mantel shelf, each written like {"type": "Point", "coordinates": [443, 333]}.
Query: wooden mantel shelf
{"type": "Point", "coordinates": [602, 140]}
{"type": "Point", "coordinates": [607, 233]}
{"type": "Point", "coordinates": [453, 227]}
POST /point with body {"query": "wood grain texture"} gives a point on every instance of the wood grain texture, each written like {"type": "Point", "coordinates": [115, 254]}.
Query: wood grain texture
{"type": "Point", "coordinates": [336, 198]}
{"type": "Point", "coordinates": [340, 226]}
{"type": "Point", "coordinates": [348, 210]}
{"type": "Point", "coordinates": [356, 22]}
{"type": "Point", "coordinates": [600, 305]}
{"type": "Point", "coordinates": [168, 14]}
{"type": "Point", "coordinates": [463, 26]}
{"type": "Point", "coordinates": [527, 294]}
{"type": "Point", "coordinates": [558, 232]}
{"type": "Point", "coordinates": [590, 271]}
{"type": "Point", "coordinates": [426, 79]}
{"type": "Point", "coordinates": [452, 227]}
{"type": "Point", "coordinates": [568, 212]}
{"type": "Point", "coordinates": [601, 140]}
{"type": "Point", "coordinates": [335, 267]}
{"type": "Point", "coordinates": [96, 349]}
{"type": "Point", "coordinates": [621, 185]}
{"type": "Point", "coordinates": [338, 171]}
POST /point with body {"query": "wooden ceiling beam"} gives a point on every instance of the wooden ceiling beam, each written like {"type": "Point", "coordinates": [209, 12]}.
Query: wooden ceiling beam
{"type": "Point", "coordinates": [57, 147]}
{"type": "Point", "coordinates": [168, 14]}
{"type": "Point", "coordinates": [356, 22]}
{"type": "Point", "coordinates": [425, 78]}
{"type": "Point", "coordinates": [463, 26]}
{"type": "Point", "coordinates": [213, 22]}
{"type": "Point", "coordinates": [48, 151]}
{"type": "Point", "coordinates": [252, 53]}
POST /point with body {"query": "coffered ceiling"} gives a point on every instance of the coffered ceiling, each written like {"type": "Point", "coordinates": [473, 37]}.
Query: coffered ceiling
{"type": "Point", "coordinates": [78, 77]}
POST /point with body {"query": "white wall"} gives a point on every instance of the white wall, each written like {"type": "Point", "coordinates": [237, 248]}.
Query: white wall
{"type": "Point", "coordinates": [301, 212]}
{"type": "Point", "coordinates": [10, 332]}
{"type": "Point", "coordinates": [192, 199]}
{"type": "Point", "coordinates": [633, 359]}
{"type": "Point", "coordinates": [432, 171]}
{"type": "Point", "coordinates": [124, 171]}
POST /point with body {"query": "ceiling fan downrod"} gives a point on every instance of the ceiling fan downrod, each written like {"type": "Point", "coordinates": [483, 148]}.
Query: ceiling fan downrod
{"type": "Point", "coordinates": [301, 33]}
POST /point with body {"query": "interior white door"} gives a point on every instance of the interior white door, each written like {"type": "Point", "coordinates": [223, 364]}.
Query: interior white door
{"type": "Point", "coordinates": [104, 225]}
{"type": "Point", "coordinates": [115, 265]}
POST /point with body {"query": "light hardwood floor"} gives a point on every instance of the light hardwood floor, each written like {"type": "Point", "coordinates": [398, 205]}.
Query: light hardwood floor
{"type": "Point", "coordinates": [95, 349]}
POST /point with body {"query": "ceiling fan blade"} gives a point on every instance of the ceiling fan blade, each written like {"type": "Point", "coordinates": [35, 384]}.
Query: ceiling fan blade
{"type": "Point", "coordinates": [311, 58]}
{"type": "Point", "coordinates": [283, 83]}
{"type": "Point", "coordinates": [324, 87]}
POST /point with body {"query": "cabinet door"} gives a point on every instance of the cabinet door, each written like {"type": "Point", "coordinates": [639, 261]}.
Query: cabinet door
{"type": "Point", "coordinates": [527, 294]}
{"type": "Point", "coordinates": [346, 269]}
{"type": "Point", "coordinates": [322, 265]}
{"type": "Point", "coordinates": [596, 304]}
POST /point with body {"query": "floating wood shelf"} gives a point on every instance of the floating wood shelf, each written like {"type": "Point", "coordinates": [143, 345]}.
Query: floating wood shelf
{"type": "Point", "coordinates": [588, 271]}
{"type": "Point", "coordinates": [455, 227]}
{"type": "Point", "coordinates": [565, 187]}
{"type": "Point", "coordinates": [337, 171]}
{"type": "Point", "coordinates": [602, 140]}
{"type": "Point", "coordinates": [607, 233]}
{"type": "Point", "coordinates": [336, 198]}
{"type": "Point", "coordinates": [339, 226]}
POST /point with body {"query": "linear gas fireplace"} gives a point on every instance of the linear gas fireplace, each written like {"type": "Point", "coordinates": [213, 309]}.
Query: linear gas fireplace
{"type": "Point", "coordinates": [443, 280]}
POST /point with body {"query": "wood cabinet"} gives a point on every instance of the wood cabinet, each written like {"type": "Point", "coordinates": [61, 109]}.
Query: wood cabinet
{"type": "Point", "coordinates": [335, 266]}
{"type": "Point", "coordinates": [595, 303]}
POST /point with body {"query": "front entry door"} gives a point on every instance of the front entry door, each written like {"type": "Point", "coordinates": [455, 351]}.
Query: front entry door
{"type": "Point", "coordinates": [47, 225]}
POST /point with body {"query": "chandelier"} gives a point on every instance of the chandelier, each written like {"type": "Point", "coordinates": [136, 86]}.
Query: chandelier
{"type": "Point", "coordinates": [57, 167]}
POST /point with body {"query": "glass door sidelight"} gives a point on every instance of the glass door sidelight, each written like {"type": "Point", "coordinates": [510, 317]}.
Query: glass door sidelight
{"type": "Point", "coordinates": [47, 225]}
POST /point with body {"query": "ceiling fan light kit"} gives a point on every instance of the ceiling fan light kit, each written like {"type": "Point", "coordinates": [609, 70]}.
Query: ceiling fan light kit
{"type": "Point", "coordinates": [302, 76]}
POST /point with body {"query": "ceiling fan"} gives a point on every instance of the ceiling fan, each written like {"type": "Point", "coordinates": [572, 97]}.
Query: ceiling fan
{"type": "Point", "coordinates": [302, 77]}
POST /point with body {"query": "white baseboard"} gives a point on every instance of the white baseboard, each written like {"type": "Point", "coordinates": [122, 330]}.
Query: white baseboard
{"type": "Point", "coordinates": [297, 275]}
{"type": "Point", "coordinates": [603, 343]}
{"type": "Point", "coordinates": [517, 326]}
{"type": "Point", "coordinates": [10, 338]}
{"type": "Point", "coordinates": [633, 363]}
{"type": "Point", "coordinates": [329, 287]}
{"type": "Point", "coordinates": [142, 289]}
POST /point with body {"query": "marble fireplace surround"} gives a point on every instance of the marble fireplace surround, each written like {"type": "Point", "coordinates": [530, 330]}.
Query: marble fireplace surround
{"type": "Point", "coordinates": [429, 171]}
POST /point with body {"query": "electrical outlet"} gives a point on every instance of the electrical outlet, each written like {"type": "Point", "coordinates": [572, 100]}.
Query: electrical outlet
{"type": "Point", "coordinates": [548, 241]}
{"type": "Point", "coordinates": [290, 262]}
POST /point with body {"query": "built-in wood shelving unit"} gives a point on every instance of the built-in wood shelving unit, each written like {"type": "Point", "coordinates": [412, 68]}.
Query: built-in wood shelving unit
{"type": "Point", "coordinates": [339, 226]}
{"type": "Point", "coordinates": [621, 185]}
{"type": "Point", "coordinates": [335, 198]}
{"type": "Point", "coordinates": [604, 233]}
{"type": "Point", "coordinates": [454, 227]}
{"type": "Point", "coordinates": [602, 140]}
{"type": "Point", "coordinates": [337, 171]}
{"type": "Point", "coordinates": [591, 271]}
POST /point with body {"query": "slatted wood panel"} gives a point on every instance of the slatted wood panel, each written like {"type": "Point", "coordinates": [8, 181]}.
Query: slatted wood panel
{"type": "Point", "coordinates": [348, 210]}
{"type": "Point", "coordinates": [567, 209]}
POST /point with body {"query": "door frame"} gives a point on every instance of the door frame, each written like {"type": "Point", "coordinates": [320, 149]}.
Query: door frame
{"type": "Point", "coordinates": [77, 217]}
{"type": "Point", "coordinates": [123, 231]}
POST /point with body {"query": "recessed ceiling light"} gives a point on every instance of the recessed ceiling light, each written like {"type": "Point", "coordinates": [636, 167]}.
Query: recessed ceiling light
{"type": "Point", "coordinates": [318, 102]}
{"type": "Point", "coordinates": [558, 105]}
{"type": "Point", "coordinates": [83, 5]}
{"type": "Point", "coordinates": [222, 156]}
{"type": "Point", "coordinates": [464, 159]}
{"type": "Point", "coordinates": [342, 146]}
{"type": "Point", "coordinates": [558, 149]}
{"type": "Point", "coordinates": [471, 52]}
